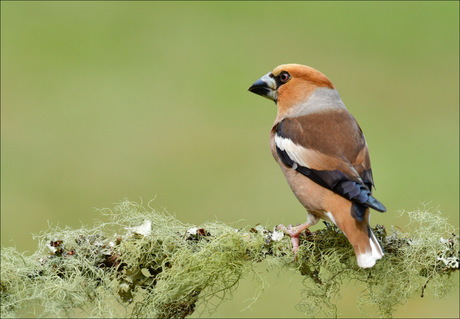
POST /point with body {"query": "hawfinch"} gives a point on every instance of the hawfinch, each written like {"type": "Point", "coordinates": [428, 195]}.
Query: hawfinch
{"type": "Point", "coordinates": [323, 155]}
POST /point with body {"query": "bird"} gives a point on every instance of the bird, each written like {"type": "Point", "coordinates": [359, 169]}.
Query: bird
{"type": "Point", "coordinates": [324, 156]}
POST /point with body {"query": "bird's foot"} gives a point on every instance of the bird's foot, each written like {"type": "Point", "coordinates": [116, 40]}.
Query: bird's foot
{"type": "Point", "coordinates": [294, 233]}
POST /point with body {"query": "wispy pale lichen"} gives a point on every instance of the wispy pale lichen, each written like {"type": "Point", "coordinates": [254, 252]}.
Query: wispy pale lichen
{"type": "Point", "coordinates": [143, 263]}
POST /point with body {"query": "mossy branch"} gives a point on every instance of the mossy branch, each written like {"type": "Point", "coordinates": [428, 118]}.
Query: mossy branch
{"type": "Point", "coordinates": [158, 267]}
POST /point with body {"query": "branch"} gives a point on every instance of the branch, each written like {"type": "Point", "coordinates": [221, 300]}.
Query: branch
{"type": "Point", "coordinates": [158, 267]}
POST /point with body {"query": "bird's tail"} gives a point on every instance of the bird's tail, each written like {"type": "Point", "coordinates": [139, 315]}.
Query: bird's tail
{"type": "Point", "coordinates": [371, 254]}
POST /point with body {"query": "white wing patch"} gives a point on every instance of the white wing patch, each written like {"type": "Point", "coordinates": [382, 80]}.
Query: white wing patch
{"type": "Point", "coordinates": [295, 152]}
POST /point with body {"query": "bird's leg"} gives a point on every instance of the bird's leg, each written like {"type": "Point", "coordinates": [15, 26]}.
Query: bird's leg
{"type": "Point", "coordinates": [294, 232]}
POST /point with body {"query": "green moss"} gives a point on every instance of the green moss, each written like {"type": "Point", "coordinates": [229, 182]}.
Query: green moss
{"type": "Point", "coordinates": [158, 267]}
{"type": "Point", "coordinates": [413, 261]}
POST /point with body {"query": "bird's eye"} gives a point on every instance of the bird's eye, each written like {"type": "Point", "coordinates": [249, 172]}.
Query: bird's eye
{"type": "Point", "coordinates": [284, 76]}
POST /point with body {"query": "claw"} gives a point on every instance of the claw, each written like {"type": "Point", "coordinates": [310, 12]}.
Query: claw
{"type": "Point", "coordinates": [295, 245]}
{"type": "Point", "coordinates": [294, 232]}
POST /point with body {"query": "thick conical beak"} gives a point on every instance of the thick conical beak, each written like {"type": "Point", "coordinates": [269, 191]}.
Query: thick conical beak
{"type": "Point", "coordinates": [265, 86]}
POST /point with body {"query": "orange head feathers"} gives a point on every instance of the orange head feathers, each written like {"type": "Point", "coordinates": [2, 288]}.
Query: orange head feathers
{"type": "Point", "coordinates": [290, 84]}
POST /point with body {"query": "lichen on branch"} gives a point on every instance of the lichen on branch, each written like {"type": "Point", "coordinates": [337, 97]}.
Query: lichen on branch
{"type": "Point", "coordinates": [144, 263]}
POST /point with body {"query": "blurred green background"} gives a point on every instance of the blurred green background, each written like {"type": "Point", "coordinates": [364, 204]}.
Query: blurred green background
{"type": "Point", "coordinates": [110, 100]}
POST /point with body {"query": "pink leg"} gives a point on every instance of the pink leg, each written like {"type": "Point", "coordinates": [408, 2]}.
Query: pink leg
{"type": "Point", "coordinates": [294, 232]}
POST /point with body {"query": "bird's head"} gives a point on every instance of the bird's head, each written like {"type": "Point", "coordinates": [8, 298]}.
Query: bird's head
{"type": "Point", "coordinates": [290, 84]}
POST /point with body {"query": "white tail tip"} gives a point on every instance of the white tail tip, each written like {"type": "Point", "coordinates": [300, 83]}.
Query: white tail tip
{"type": "Point", "coordinates": [368, 259]}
